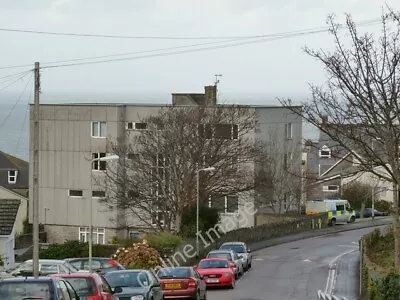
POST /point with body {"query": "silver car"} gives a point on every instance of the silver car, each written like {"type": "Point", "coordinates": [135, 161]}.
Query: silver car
{"type": "Point", "coordinates": [242, 250]}
{"type": "Point", "coordinates": [46, 267]}
{"type": "Point", "coordinates": [230, 255]}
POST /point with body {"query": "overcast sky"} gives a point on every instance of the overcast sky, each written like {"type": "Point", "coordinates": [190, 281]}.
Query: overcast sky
{"type": "Point", "coordinates": [254, 73]}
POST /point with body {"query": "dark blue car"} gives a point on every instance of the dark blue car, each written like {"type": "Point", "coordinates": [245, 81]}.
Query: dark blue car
{"type": "Point", "coordinates": [42, 288]}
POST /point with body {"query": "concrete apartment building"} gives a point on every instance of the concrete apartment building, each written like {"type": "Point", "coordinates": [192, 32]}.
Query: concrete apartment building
{"type": "Point", "coordinates": [72, 134]}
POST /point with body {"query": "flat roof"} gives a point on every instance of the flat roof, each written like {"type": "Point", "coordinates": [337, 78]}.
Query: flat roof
{"type": "Point", "coordinates": [156, 105]}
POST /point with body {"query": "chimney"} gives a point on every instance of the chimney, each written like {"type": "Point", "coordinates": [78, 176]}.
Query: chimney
{"type": "Point", "coordinates": [210, 95]}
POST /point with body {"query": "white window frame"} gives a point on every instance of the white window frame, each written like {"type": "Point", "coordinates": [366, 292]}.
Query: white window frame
{"type": "Point", "coordinates": [12, 178]}
{"type": "Point", "coordinates": [133, 126]}
{"type": "Point", "coordinates": [226, 204]}
{"type": "Point", "coordinates": [213, 129]}
{"type": "Point", "coordinates": [100, 134]}
{"type": "Point", "coordinates": [161, 222]}
{"type": "Point", "coordinates": [69, 193]}
{"type": "Point", "coordinates": [288, 131]}
{"type": "Point", "coordinates": [327, 149]}
{"type": "Point", "coordinates": [98, 162]}
{"type": "Point", "coordinates": [98, 235]}
{"type": "Point", "coordinates": [325, 188]}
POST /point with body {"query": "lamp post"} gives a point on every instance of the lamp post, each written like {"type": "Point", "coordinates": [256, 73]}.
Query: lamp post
{"type": "Point", "coordinates": [210, 169]}
{"type": "Point", "coordinates": [106, 158]}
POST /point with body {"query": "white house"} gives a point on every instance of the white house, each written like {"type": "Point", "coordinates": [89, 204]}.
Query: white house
{"type": "Point", "coordinates": [8, 214]}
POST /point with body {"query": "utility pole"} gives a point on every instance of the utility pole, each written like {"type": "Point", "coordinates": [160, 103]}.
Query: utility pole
{"type": "Point", "coordinates": [35, 194]}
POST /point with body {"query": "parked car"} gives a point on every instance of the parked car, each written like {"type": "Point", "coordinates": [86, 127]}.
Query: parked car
{"type": "Point", "coordinates": [43, 288]}
{"type": "Point", "coordinates": [182, 282]}
{"type": "Point", "coordinates": [135, 284]}
{"type": "Point", "coordinates": [100, 264]}
{"type": "Point", "coordinates": [232, 256]}
{"type": "Point", "coordinates": [216, 272]}
{"type": "Point", "coordinates": [46, 267]}
{"type": "Point", "coordinates": [89, 285]}
{"type": "Point", "coordinates": [368, 213]}
{"type": "Point", "coordinates": [242, 250]}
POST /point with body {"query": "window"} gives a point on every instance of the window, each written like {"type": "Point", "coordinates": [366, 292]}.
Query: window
{"type": "Point", "coordinates": [288, 131]}
{"type": "Point", "coordinates": [340, 207]}
{"type": "Point", "coordinates": [325, 152]}
{"type": "Point", "coordinates": [136, 126]}
{"type": "Point", "coordinates": [225, 204]}
{"type": "Point", "coordinates": [75, 193]}
{"type": "Point", "coordinates": [12, 176]}
{"type": "Point", "coordinates": [98, 194]}
{"type": "Point", "coordinates": [99, 129]}
{"type": "Point", "coordinates": [98, 235]}
{"type": "Point", "coordinates": [157, 217]}
{"type": "Point", "coordinates": [219, 131]}
{"type": "Point", "coordinates": [97, 164]}
{"type": "Point", "coordinates": [330, 188]}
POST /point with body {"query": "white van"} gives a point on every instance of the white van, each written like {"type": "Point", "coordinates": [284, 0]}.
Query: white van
{"type": "Point", "coordinates": [339, 210]}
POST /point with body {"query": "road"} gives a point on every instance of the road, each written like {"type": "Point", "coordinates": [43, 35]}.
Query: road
{"type": "Point", "coordinates": [297, 270]}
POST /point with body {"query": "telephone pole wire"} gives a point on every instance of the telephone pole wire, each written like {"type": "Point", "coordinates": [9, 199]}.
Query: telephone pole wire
{"type": "Point", "coordinates": [35, 196]}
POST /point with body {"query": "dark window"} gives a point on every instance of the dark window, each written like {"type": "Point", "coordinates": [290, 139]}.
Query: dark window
{"type": "Point", "coordinates": [235, 132]}
{"type": "Point", "coordinates": [232, 203]}
{"type": "Point", "coordinates": [97, 164]}
{"type": "Point", "coordinates": [218, 203]}
{"type": "Point", "coordinates": [84, 286]}
{"type": "Point", "coordinates": [174, 273]}
{"type": "Point", "coordinates": [75, 193]}
{"type": "Point", "coordinates": [140, 126]}
{"type": "Point", "coordinates": [205, 131]}
{"type": "Point", "coordinates": [223, 131]}
{"type": "Point", "coordinates": [21, 290]}
{"type": "Point", "coordinates": [98, 194]}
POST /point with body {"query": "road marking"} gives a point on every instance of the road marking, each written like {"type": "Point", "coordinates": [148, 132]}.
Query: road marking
{"type": "Point", "coordinates": [258, 258]}
{"type": "Point", "coordinates": [331, 280]}
{"type": "Point", "coordinates": [307, 260]}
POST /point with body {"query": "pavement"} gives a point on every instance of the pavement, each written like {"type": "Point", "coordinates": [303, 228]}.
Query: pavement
{"type": "Point", "coordinates": [303, 264]}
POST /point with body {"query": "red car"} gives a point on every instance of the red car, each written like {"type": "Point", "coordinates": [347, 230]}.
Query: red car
{"type": "Point", "coordinates": [216, 272]}
{"type": "Point", "coordinates": [89, 286]}
{"type": "Point", "coordinates": [182, 283]}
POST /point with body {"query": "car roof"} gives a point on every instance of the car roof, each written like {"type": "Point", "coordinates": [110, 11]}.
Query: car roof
{"type": "Point", "coordinates": [28, 279]}
{"type": "Point", "coordinates": [76, 274]}
{"type": "Point", "coordinates": [51, 261]}
{"type": "Point", "coordinates": [215, 258]}
{"type": "Point", "coordinates": [86, 258]}
{"type": "Point", "coordinates": [221, 251]}
{"type": "Point", "coordinates": [126, 271]}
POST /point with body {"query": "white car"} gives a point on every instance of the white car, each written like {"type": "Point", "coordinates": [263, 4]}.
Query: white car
{"type": "Point", "coordinates": [242, 250]}
{"type": "Point", "coordinates": [230, 255]}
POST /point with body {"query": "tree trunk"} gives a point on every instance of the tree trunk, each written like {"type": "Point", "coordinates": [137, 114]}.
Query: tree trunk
{"type": "Point", "coordinates": [396, 227]}
{"type": "Point", "coordinates": [178, 221]}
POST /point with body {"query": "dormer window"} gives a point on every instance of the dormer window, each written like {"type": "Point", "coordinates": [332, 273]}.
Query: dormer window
{"type": "Point", "coordinates": [325, 152]}
{"type": "Point", "coordinates": [12, 176]}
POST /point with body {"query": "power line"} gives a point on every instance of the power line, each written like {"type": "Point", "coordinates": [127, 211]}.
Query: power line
{"type": "Point", "coordinates": [257, 38]}
{"type": "Point", "coordinates": [74, 34]}
{"type": "Point", "coordinates": [16, 80]}
{"type": "Point", "coordinates": [15, 103]}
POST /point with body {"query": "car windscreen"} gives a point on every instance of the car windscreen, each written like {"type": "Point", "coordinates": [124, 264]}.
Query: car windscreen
{"type": "Point", "coordinates": [219, 255]}
{"type": "Point", "coordinates": [21, 290]}
{"type": "Point", "coordinates": [174, 273]}
{"type": "Point", "coordinates": [84, 286]}
{"type": "Point", "coordinates": [126, 279]}
{"type": "Point", "coordinates": [237, 248]}
{"type": "Point", "coordinates": [213, 264]}
{"type": "Point", "coordinates": [70, 267]}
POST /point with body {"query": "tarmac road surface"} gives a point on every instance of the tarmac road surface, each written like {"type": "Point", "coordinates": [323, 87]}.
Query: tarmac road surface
{"type": "Point", "coordinates": [297, 270]}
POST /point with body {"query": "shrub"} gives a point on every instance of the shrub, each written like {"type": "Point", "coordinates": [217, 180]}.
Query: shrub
{"type": "Point", "coordinates": [76, 249]}
{"type": "Point", "coordinates": [383, 206]}
{"type": "Point", "coordinates": [162, 240]}
{"type": "Point", "coordinates": [208, 218]}
{"type": "Point", "coordinates": [124, 242]}
{"type": "Point", "coordinates": [138, 256]}
{"type": "Point", "coordinates": [389, 287]}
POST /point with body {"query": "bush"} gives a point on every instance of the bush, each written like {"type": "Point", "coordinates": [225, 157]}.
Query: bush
{"type": "Point", "coordinates": [383, 206]}
{"type": "Point", "coordinates": [124, 242]}
{"type": "Point", "coordinates": [379, 248]}
{"type": "Point", "coordinates": [138, 256]}
{"type": "Point", "coordinates": [389, 287]}
{"type": "Point", "coordinates": [162, 240]}
{"type": "Point", "coordinates": [208, 218]}
{"type": "Point", "coordinates": [76, 249]}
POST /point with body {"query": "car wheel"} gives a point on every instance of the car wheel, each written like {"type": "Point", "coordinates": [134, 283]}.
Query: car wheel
{"type": "Point", "coordinates": [233, 284]}
{"type": "Point", "coordinates": [352, 219]}
{"type": "Point", "coordinates": [333, 222]}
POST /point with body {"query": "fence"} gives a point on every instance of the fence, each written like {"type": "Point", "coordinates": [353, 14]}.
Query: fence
{"type": "Point", "coordinates": [323, 296]}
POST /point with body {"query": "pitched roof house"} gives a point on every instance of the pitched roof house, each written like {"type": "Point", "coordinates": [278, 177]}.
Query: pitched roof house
{"type": "Point", "coordinates": [14, 173]}
{"type": "Point", "coordinates": [8, 214]}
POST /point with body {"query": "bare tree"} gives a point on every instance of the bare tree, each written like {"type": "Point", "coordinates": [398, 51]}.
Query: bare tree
{"type": "Point", "coordinates": [360, 100]}
{"type": "Point", "coordinates": [279, 175]}
{"type": "Point", "coordinates": [155, 181]}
